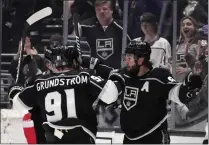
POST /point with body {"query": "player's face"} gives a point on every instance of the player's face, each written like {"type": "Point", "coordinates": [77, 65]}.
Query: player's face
{"type": "Point", "coordinates": [130, 61]}
{"type": "Point", "coordinates": [187, 28]}
{"type": "Point", "coordinates": [104, 11]}
{"type": "Point", "coordinates": [131, 66]}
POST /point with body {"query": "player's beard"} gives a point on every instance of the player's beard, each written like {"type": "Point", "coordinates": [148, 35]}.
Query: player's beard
{"type": "Point", "coordinates": [133, 71]}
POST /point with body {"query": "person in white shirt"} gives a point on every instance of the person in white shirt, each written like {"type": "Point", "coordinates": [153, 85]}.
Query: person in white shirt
{"type": "Point", "coordinates": [161, 49]}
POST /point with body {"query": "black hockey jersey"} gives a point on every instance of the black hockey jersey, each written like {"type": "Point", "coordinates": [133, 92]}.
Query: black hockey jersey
{"type": "Point", "coordinates": [65, 95]}
{"type": "Point", "coordinates": [144, 102]}
{"type": "Point", "coordinates": [105, 43]}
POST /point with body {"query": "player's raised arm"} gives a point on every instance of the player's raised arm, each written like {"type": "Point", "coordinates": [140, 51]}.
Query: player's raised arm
{"type": "Point", "coordinates": [97, 66]}
{"type": "Point", "coordinates": [22, 98]}
{"type": "Point", "coordinates": [105, 91]}
{"type": "Point", "coordinates": [179, 93]}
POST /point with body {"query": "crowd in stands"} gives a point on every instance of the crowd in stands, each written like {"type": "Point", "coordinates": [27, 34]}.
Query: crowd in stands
{"type": "Point", "coordinates": [192, 26]}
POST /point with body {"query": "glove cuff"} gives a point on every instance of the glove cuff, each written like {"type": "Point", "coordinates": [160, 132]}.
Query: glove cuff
{"type": "Point", "coordinates": [193, 81]}
{"type": "Point", "coordinates": [93, 63]}
{"type": "Point", "coordinates": [14, 90]}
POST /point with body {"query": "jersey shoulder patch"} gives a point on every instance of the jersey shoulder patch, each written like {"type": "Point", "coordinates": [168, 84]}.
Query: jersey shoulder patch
{"type": "Point", "coordinates": [96, 79]}
{"type": "Point", "coordinates": [163, 75]}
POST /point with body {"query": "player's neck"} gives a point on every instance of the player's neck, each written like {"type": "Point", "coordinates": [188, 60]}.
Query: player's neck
{"type": "Point", "coordinates": [143, 70]}
{"type": "Point", "coordinates": [65, 69]}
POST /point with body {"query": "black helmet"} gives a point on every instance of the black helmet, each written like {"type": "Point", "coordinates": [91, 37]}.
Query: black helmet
{"type": "Point", "coordinates": [139, 48]}
{"type": "Point", "coordinates": [62, 55]}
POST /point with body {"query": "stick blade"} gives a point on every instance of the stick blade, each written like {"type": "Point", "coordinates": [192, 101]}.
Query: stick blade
{"type": "Point", "coordinates": [39, 15]}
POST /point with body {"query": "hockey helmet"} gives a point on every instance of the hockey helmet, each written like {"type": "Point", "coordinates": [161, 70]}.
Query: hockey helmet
{"type": "Point", "coordinates": [139, 48]}
{"type": "Point", "coordinates": [62, 55]}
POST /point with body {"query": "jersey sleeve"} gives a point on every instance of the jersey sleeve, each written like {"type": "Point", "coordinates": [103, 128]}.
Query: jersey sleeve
{"type": "Point", "coordinates": [26, 99]}
{"type": "Point", "coordinates": [104, 90]}
{"type": "Point", "coordinates": [175, 92]}
{"type": "Point", "coordinates": [103, 71]}
{"type": "Point", "coordinates": [169, 85]}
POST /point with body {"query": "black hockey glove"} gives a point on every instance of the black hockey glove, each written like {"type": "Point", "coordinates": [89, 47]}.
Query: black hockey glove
{"type": "Point", "coordinates": [93, 63]}
{"type": "Point", "coordinates": [13, 90]}
{"type": "Point", "coordinates": [30, 67]}
{"type": "Point", "coordinates": [116, 76]}
{"type": "Point", "coordinates": [193, 81]}
{"type": "Point", "coordinates": [190, 88]}
{"type": "Point", "coordinates": [90, 62]}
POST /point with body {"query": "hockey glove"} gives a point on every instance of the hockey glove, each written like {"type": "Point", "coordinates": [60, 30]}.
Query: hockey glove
{"type": "Point", "coordinates": [118, 79]}
{"type": "Point", "coordinates": [115, 76]}
{"type": "Point", "coordinates": [13, 90]}
{"type": "Point", "coordinates": [90, 63]}
{"type": "Point", "coordinates": [30, 67]}
{"type": "Point", "coordinates": [93, 63]}
{"type": "Point", "coordinates": [193, 81]}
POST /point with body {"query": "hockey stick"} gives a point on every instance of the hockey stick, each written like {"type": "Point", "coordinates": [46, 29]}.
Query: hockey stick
{"type": "Point", "coordinates": [30, 21]}
{"type": "Point", "coordinates": [75, 21]}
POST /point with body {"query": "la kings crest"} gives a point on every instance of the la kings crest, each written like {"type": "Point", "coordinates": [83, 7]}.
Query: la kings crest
{"type": "Point", "coordinates": [104, 48]}
{"type": "Point", "coordinates": [130, 97]}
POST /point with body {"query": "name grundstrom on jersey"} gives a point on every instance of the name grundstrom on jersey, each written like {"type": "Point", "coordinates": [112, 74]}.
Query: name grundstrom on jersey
{"type": "Point", "coordinates": [53, 82]}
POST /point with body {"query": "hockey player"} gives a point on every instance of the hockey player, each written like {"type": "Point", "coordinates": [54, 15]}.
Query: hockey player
{"type": "Point", "coordinates": [66, 96]}
{"type": "Point", "coordinates": [143, 115]}
{"type": "Point", "coordinates": [31, 64]}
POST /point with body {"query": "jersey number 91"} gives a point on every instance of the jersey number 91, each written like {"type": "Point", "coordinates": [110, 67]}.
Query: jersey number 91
{"type": "Point", "coordinates": [53, 102]}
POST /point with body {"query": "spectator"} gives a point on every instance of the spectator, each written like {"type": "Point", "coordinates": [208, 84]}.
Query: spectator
{"type": "Point", "coordinates": [167, 28]}
{"type": "Point", "coordinates": [196, 9]}
{"type": "Point", "coordinates": [161, 49]}
{"type": "Point", "coordinates": [85, 8]}
{"type": "Point", "coordinates": [188, 52]}
{"type": "Point", "coordinates": [24, 8]}
{"type": "Point", "coordinates": [202, 45]}
{"type": "Point", "coordinates": [195, 64]}
{"type": "Point", "coordinates": [31, 52]}
{"type": "Point", "coordinates": [136, 9]}
{"type": "Point", "coordinates": [187, 46]}
{"type": "Point", "coordinates": [104, 34]}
